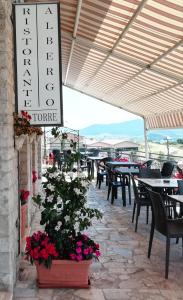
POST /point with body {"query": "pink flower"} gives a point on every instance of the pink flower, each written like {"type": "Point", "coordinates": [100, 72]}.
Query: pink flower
{"type": "Point", "coordinates": [97, 253]}
{"type": "Point", "coordinates": [72, 256]}
{"type": "Point", "coordinates": [78, 250]}
{"type": "Point", "coordinates": [85, 251]}
{"type": "Point", "coordinates": [79, 244]}
{"type": "Point", "coordinates": [90, 250]}
{"type": "Point", "coordinates": [79, 257]}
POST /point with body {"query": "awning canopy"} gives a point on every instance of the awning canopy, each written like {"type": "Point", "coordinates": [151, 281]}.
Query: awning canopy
{"type": "Point", "coordinates": [128, 53]}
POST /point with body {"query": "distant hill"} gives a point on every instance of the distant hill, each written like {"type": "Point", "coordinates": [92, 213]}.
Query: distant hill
{"type": "Point", "coordinates": [133, 130]}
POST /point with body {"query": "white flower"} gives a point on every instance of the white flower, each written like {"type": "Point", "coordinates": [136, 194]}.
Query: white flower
{"type": "Point", "coordinates": [84, 183]}
{"type": "Point", "coordinates": [76, 226]}
{"type": "Point", "coordinates": [59, 223]}
{"type": "Point", "coordinates": [59, 199]}
{"type": "Point", "coordinates": [67, 202]}
{"type": "Point", "coordinates": [50, 198]}
{"type": "Point", "coordinates": [67, 218]}
{"type": "Point", "coordinates": [78, 213]}
{"type": "Point", "coordinates": [70, 174]}
{"type": "Point", "coordinates": [77, 191]}
{"type": "Point", "coordinates": [57, 228]}
{"type": "Point", "coordinates": [50, 187]}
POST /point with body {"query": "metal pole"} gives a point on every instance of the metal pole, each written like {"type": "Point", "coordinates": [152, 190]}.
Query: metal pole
{"type": "Point", "coordinates": [145, 139]}
{"type": "Point", "coordinates": [168, 148]}
{"type": "Point", "coordinates": [44, 143]}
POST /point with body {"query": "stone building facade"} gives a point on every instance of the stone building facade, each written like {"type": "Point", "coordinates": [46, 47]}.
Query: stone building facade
{"type": "Point", "coordinates": [17, 161]}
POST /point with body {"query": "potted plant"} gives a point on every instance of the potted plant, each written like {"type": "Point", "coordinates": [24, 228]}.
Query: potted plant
{"type": "Point", "coordinates": [24, 195]}
{"type": "Point", "coordinates": [22, 125]}
{"type": "Point", "coordinates": [62, 251]}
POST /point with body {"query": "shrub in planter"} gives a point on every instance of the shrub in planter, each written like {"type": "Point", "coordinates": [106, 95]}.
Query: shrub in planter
{"type": "Point", "coordinates": [65, 215]}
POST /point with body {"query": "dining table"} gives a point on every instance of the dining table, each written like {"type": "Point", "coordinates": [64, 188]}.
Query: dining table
{"type": "Point", "coordinates": [177, 198]}
{"type": "Point", "coordinates": [127, 164]}
{"type": "Point", "coordinates": [159, 183]}
{"type": "Point", "coordinates": [126, 171]}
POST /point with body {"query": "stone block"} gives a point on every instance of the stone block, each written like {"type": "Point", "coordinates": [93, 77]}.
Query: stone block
{"type": "Point", "coordinates": [5, 262]}
{"type": "Point", "coordinates": [4, 226]}
{"type": "Point", "coordinates": [4, 244]}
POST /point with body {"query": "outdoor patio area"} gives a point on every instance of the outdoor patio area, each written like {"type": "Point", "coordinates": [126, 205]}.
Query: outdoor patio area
{"type": "Point", "coordinates": [123, 270]}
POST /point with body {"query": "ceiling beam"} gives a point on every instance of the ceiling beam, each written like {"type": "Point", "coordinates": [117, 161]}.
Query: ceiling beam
{"type": "Point", "coordinates": [73, 37]}
{"type": "Point", "coordinates": [154, 93]}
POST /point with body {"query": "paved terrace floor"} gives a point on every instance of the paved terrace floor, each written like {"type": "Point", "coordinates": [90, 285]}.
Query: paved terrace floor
{"type": "Point", "coordinates": [124, 272]}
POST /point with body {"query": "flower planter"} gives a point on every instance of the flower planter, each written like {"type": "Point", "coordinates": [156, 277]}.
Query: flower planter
{"type": "Point", "coordinates": [64, 273]}
{"type": "Point", "coordinates": [19, 140]}
{"type": "Point", "coordinates": [32, 137]}
{"type": "Point", "coordinates": [23, 220]}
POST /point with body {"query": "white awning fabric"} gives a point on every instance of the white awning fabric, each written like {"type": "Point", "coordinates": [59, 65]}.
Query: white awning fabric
{"type": "Point", "coordinates": [128, 53]}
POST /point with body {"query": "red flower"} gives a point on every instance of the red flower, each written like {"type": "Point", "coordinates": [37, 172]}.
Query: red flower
{"type": "Point", "coordinates": [24, 196]}
{"type": "Point", "coordinates": [44, 254]}
{"type": "Point", "coordinates": [34, 176]}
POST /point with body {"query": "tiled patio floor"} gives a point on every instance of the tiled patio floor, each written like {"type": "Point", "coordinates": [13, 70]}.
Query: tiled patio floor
{"type": "Point", "coordinates": [123, 272]}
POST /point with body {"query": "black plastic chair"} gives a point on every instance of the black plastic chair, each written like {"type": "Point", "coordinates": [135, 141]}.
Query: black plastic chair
{"type": "Point", "coordinates": [180, 192]}
{"type": "Point", "coordinates": [167, 169]}
{"type": "Point", "coordinates": [148, 163]}
{"type": "Point", "coordinates": [155, 173]}
{"type": "Point", "coordinates": [180, 187]}
{"type": "Point", "coordinates": [170, 228]}
{"type": "Point", "coordinates": [101, 173]}
{"type": "Point", "coordinates": [140, 199]}
{"type": "Point", "coordinates": [115, 181]}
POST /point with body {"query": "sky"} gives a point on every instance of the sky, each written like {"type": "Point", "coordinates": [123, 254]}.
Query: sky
{"type": "Point", "coordinates": [81, 111]}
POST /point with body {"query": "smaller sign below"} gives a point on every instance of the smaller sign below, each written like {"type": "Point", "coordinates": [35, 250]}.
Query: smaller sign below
{"type": "Point", "coordinates": [38, 70]}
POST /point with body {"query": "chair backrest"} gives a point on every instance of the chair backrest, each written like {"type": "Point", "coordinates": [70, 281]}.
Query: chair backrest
{"type": "Point", "coordinates": [144, 172]}
{"type": "Point", "coordinates": [167, 169]}
{"type": "Point", "coordinates": [135, 190]}
{"type": "Point", "coordinates": [148, 163]}
{"type": "Point", "coordinates": [180, 187]}
{"type": "Point", "coordinates": [159, 212]}
{"type": "Point", "coordinates": [154, 173]}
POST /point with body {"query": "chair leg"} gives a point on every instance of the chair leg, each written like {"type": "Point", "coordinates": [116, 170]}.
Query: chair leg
{"type": "Point", "coordinates": [151, 239]}
{"type": "Point", "coordinates": [109, 191]}
{"type": "Point", "coordinates": [99, 183]}
{"type": "Point", "coordinates": [137, 217]}
{"type": "Point", "coordinates": [113, 194]}
{"type": "Point", "coordinates": [129, 190]}
{"type": "Point", "coordinates": [167, 256]}
{"type": "Point", "coordinates": [134, 207]}
{"type": "Point", "coordinates": [147, 215]}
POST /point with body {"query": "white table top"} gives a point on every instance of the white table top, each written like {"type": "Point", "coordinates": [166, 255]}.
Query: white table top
{"type": "Point", "coordinates": [159, 183]}
{"type": "Point", "coordinates": [96, 157]}
{"type": "Point", "coordinates": [178, 198]}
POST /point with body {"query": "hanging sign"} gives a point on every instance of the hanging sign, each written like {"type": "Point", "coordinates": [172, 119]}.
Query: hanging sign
{"type": "Point", "coordinates": [38, 67]}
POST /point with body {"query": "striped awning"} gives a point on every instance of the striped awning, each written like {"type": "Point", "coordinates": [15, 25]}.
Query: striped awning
{"type": "Point", "coordinates": [128, 53]}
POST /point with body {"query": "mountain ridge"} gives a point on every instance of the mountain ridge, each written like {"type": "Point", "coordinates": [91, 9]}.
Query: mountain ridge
{"type": "Point", "coordinates": [131, 130]}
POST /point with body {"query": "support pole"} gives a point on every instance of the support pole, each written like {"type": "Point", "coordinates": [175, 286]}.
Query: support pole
{"type": "Point", "coordinates": [145, 139]}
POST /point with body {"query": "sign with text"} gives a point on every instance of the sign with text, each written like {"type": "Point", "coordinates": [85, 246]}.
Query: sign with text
{"type": "Point", "coordinates": [38, 68]}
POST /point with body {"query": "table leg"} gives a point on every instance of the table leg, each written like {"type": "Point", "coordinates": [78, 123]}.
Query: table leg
{"type": "Point", "coordinates": [124, 192]}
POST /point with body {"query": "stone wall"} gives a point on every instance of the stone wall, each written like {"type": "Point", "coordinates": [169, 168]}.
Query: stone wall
{"type": "Point", "coordinates": [8, 155]}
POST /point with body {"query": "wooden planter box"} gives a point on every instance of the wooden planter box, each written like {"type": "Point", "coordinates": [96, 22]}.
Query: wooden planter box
{"type": "Point", "coordinates": [64, 274]}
